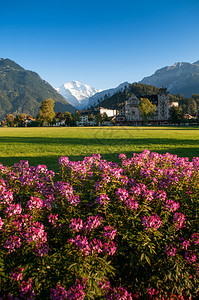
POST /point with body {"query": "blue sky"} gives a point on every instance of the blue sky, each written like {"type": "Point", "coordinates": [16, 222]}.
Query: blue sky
{"type": "Point", "coordinates": [101, 43]}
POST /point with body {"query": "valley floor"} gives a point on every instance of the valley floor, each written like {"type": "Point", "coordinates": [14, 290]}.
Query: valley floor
{"type": "Point", "coordinates": [45, 145]}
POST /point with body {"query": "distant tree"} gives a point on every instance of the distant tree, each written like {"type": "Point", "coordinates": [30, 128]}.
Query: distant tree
{"type": "Point", "coordinates": [9, 119]}
{"type": "Point", "coordinates": [77, 116]}
{"type": "Point", "coordinates": [192, 107]}
{"type": "Point", "coordinates": [53, 122]}
{"type": "Point", "coordinates": [184, 108]}
{"type": "Point", "coordinates": [20, 119]}
{"type": "Point", "coordinates": [60, 116]}
{"type": "Point", "coordinates": [176, 114]}
{"type": "Point", "coordinates": [3, 123]}
{"type": "Point", "coordinates": [68, 118]}
{"type": "Point", "coordinates": [46, 113]}
{"type": "Point", "coordinates": [147, 109]}
{"type": "Point", "coordinates": [105, 117]}
{"type": "Point", "coordinates": [91, 117]}
{"type": "Point", "coordinates": [98, 119]}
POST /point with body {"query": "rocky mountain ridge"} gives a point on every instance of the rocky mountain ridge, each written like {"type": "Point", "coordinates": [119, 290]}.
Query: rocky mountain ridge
{"type": "Point", "coordinates": [180, 78]}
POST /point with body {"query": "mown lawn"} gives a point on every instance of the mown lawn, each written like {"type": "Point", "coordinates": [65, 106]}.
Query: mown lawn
{"type": "Point", "coordinates": [46, 145]}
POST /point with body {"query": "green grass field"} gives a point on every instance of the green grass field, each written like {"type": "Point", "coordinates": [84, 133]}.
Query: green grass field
{"type": "Point", "coordinates": [45, 145]}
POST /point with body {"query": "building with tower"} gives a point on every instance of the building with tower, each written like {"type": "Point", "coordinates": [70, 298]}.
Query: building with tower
{"type": "Point", "coordinates": [129, 112]}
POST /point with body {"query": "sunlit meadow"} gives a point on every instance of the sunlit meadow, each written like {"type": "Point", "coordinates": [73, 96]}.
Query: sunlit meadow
{"type": "Point", "coordinates": [46, 145]}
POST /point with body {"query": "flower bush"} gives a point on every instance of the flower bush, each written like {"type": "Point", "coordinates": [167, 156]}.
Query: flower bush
{"type": "Point", "coordinates": [101, 230]}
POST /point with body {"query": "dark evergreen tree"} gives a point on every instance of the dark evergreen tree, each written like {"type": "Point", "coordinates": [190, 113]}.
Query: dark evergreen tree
{"type": "Point", "coordinates": [176, 114]}
{"type": "Point", "coordinates": [68, 118]}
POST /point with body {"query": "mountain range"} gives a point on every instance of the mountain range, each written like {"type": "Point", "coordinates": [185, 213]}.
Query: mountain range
{"type": "Point", "coordinates": [22, 91]}
{"type": "Point", "coordinates": [83, 96]}
{"type": "Point", "coordinates": [181, 78]}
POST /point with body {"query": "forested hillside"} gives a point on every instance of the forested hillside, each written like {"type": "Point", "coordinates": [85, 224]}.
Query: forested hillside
{"type": "Point", "coordinates": [22, 91]}
{"type": "Point", "coordinates": [189, 105]}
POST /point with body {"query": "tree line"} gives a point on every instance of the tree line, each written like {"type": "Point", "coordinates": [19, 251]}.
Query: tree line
{"type": "Point", "coordinates": [45, 117]}
{"type": "Point", "coordinates": [48, 117]}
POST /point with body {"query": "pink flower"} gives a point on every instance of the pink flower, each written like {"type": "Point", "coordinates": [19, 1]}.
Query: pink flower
{"type": "Point", "coordinates": [12, 243]}
{"type": "Point", "coordinates": [26, 289]}
{"type": "Point", "coordinates": [1, 223]}
{"type": "Point", "coordinates": [81, 242]}
{"type": "Point", "coordinates": [14, 209]}
{"type": "Point", "coordinates": [110, 248]}
{"type": "Point", "coordinates": [59, 293]}
{"type": "Point", "coordinates": [6, 196]}
{"type": "Point", "coordinates": [148, 194]}
{"type": "Point", "coordinates": [76, 292]}
{"type": "Point", "coordinates": [136, 295]}
{"type": "Point", "coordinates": [92, 222]}
{"type": "Point", "coordinates": [122, 156]}
{"type": "Point", "coordinates": [35, 202]}
{"type": "Point", "coordinates": [185, 244]}
{"type": "Point", "coordinates": [76, 224]}
{"type": "Point", "coordinates": [151, 291]}
{"type": "Point", "coordinates": [17, 275]}
{"type": "Point", "coordinates": [96, 246]}
{"type": "Point", "coordinates": [37, 236]}
{"type": "Point", "coordinates": [36, 233]}
{"type": "Point", "coordinates": [66, 190]}
{"type": "Point", "coordinates": [116, 172]}
{"type": "Point", "coordinates": [161, 195]}
{"type": "Point", "coordinates": [102, 199]}
{"type": "Point", "coordinates": [151, 222]}
{"type": "Point", "coordinates": [111, 293]}
{"type": "Point", "coordinates": [131, 203]}
{"type": "Point", "coordinates": [170, 250]}
{"type": "Point", "coordinates": [64, 160]}
{"type": "Point", "coordinates": [195, 238]}
{"type": "Point", "coordinates": [104, 284]}
{"type": "Point", "coordinates": [41, 169]}
{"type": "Point", "coordinates": [96, 156]}
{"type": "Point", "coordinates": [171, 205]}
{"type": "Point", "coordinates": [190, 257]}
{"type": "Point", "coordinates": [110, 232]}
{"type": "Point", "coordinates": [122, 194]}
{"type": "Point", "coordinates": [178, 220]}
{"type": "Point", "coordinates": [52, 219]}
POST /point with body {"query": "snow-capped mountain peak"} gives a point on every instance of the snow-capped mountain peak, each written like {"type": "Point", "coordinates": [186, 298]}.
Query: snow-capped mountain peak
{"type": "Point", "coordinates": [77, 93]}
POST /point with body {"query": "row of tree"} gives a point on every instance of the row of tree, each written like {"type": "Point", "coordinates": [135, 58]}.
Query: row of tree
{"type": "Point", "coordinates": [47, 116]}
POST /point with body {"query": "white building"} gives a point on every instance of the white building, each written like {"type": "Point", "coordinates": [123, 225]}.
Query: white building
{"type": "Point", "coordinates": [84, 121]}
{"type": "Point", "coordinates": [109, 112]}
{"type": "Point", "coordinates": [129, 111]}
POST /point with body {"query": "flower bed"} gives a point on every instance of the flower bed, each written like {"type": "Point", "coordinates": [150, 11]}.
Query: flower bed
{"type": "Point", "coordinates": [102, 231]}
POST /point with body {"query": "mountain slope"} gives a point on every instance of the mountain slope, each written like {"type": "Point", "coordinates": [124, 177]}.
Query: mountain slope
{"type": "Point", "coordinates": [181, 78]}
{"type": "Point", "coordinates": [138, 89]}
{"type": "Point", "coordinates": [23, 91]}
{"type": "Point", "coordinates": [100, 96]}
{"type": "Point", "coordinates": [77, 93]}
